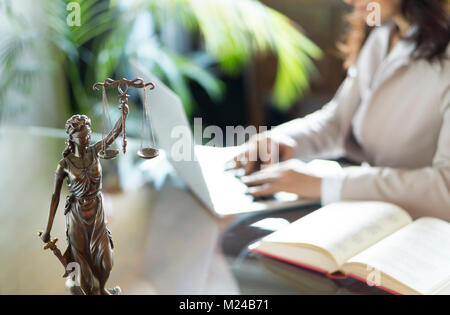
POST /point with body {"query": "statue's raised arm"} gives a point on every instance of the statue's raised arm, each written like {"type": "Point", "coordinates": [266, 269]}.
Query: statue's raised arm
{"type": "Point", "coordinates": [106, 142]}
{"type": "Point", "coordinates": [123, 87]}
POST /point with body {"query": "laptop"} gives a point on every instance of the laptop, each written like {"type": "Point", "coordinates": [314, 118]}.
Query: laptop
{"type": "Point", "coordinates": [203, 171]}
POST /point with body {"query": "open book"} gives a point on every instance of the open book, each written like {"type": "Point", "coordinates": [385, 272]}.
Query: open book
{"type": "Point", "coordinates": [375, 242]}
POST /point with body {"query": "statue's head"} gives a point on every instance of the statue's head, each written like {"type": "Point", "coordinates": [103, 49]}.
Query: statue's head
{"type": "Point", "coordinates": [78, 127]}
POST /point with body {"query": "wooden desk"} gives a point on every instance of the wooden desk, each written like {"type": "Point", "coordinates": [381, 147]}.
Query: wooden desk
{"type": "Point", "coordinates": [166, 242]}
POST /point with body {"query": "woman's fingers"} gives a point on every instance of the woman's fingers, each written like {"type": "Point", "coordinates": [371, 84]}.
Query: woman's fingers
{"type": "Point", "coordinates": [246, 160]}
{"type": "Point", "coordinates": [251, 155]}
{"type": "Point", "coordinates": [259, 178]}
{"type": "Point", "coordinates": [263, 150]}
{"type": "Point", "coordinates": [290, 176]}
{"type": "Point", "coordinates": [264, 190]}
{"type": "Point", "coordinates": [268, 181]}
{"type": "Point", "coordinates": [270, 174]}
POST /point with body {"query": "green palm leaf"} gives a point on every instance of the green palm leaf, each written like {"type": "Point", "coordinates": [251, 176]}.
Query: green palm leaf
{"type": "Point", "coordinates": [234, 30]}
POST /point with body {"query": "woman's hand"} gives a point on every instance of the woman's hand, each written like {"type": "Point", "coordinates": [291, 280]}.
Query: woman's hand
{"type": "Point", "coordinates": [291, 176]}
{"type": "Point", "coordinates": [265, 148]}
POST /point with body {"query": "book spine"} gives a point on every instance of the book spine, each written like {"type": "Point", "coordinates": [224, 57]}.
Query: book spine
{"type": "Point", "coordinates": [292, 262]}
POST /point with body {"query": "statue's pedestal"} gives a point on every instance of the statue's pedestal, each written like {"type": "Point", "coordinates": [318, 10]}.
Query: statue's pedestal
{"type": "Point", "coordinates": [73, 289]}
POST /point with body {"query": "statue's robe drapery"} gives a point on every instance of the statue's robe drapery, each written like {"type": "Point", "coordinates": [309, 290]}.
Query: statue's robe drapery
{"type": "Point", "coordinates": [89, 239]}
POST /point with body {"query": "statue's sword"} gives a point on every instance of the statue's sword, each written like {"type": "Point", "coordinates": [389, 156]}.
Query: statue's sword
{"type": "Point", "coordinates": [52, 245]}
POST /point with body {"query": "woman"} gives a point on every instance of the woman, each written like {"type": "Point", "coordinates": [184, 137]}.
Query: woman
{"type": "Point", "coordinates": [89, 240]}
{"type": "Point", "coordinates": [392, 113]}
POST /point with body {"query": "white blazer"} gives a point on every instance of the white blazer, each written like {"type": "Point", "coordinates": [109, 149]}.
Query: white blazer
{"type": "Point", "coordinates": [393, 113]}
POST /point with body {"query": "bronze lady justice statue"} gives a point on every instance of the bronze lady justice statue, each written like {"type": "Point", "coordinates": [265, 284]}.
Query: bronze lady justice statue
{"type": "Point", "coordinates": [89, 239]}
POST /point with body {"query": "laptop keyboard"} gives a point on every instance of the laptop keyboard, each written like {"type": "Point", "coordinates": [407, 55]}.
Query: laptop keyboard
{"type": "Point", "coordinates": [224, 183]}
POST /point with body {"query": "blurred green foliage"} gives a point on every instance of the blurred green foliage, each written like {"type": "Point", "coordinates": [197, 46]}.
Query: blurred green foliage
{"type": "Point", "coordinates": [114, 32]}
{"type": "Point", "coordinates": [235, 30]}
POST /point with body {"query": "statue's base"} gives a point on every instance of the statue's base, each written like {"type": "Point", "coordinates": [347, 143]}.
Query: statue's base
{"type": "Point", "coordinates": [115, 291]}
{"type": "Point", "coordinates": [73, 289]}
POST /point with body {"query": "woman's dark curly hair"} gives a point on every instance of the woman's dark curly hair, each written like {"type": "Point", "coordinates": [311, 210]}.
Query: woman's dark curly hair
{"type": "Point", "coordinates": [431, 39]}
{"type": "Point", "coordinates": [73, 125]}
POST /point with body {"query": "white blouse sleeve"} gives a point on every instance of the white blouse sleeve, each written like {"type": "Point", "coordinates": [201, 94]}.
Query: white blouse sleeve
{"type": "Point", "coordinates": [331, 188]}
{"type": "Point", "coordinates": [322, 133]}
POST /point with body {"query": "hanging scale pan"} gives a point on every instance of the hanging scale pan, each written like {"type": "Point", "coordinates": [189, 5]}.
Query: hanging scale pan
{"type": "Point", "coordinates": [148, 153]}
{"type": "Point", "coordinates": [108, 154]}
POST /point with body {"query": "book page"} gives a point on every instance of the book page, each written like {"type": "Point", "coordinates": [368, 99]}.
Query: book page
{"type": "Point", "coordinates": [418, 256]}
{"type": "Point", "coordinates": [345, 228]}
